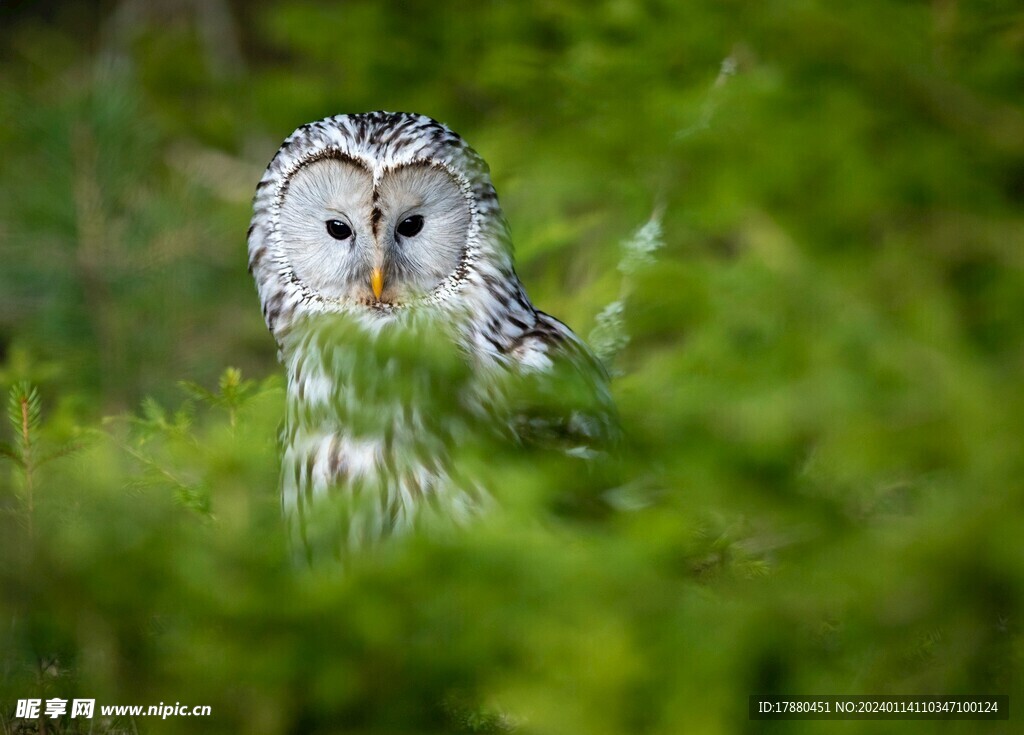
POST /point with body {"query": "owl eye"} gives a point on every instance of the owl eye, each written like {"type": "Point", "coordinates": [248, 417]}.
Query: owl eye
{"type": "Point", "coordinates": [410, 226]}
{"type": "Point", "coordinates": [338, 229]}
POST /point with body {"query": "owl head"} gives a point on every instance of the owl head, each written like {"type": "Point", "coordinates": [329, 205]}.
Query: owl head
{"type": "Point", "coordinates": [372, 213]}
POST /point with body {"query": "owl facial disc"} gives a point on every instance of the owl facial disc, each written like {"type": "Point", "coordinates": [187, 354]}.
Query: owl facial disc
{"type": "Point", "coordinates": [356, 233]}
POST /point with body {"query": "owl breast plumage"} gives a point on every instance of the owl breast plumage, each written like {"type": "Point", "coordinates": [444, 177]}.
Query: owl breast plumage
{"type": "Point", "coordinates": [379, 249]}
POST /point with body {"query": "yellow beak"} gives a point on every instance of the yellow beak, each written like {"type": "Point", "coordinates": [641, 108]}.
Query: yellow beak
{"type": "Point", "coordinates": [377, 283]}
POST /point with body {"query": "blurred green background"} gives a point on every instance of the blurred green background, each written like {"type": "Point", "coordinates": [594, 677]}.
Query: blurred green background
{"type": "Point", "coordinates": [823, 386]}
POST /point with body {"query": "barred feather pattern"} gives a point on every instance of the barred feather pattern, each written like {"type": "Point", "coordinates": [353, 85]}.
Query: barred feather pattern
{"type": "Point", "coordinates": [345, 435]}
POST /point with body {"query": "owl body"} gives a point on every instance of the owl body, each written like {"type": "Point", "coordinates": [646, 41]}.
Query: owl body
{"type": "Point", "coordinates": [384, 268]}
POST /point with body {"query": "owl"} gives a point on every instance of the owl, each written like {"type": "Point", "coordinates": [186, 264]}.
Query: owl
{"type": "Point", "coordinates": [384, 268]}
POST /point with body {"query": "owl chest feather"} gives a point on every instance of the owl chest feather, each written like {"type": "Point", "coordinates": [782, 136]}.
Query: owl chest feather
{"type": "Point", "coordinates": [371, 421]}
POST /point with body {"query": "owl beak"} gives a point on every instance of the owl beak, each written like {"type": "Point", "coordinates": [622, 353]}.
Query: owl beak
{"type": "Point", "coordinates": [377, 283]}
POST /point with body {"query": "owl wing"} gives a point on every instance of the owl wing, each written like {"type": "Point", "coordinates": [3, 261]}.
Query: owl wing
{"type": "Point", "coordinates": [562, 399]}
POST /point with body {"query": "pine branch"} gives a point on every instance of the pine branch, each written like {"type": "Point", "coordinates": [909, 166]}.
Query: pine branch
{"type": "Point", "coordinates": [24, 410]}
{"type": "Point", "coordinates": [11, 453]}
{"type": "Point", "coordinates": [610, 336]}
{"type": "Point", "coordinates": [234, 392]}
{"type": "Point", "coordinates": [64, 450]}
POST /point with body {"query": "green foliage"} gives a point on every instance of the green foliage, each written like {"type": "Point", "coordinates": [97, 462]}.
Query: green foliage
{"type": "Point", "coordinates": [30, 452]}
{"type": "Point", "coordinates": [24, 413]}
{"type": "Point", "coordinates": [817, 340]}
{"type": "Point", "coordinates": [233, 392]}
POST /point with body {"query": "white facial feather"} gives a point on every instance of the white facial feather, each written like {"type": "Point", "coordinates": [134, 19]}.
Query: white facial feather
{"type": "Point", "coordinates": [418, 264]}
{"type": "Point", "coordinates": [323, 190]}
